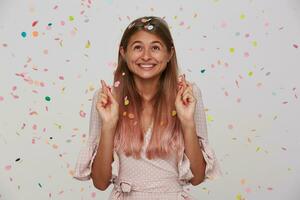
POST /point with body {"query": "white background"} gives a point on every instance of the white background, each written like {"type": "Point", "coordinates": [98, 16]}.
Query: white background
{"type": "Point", "coordinates": [253, 121]}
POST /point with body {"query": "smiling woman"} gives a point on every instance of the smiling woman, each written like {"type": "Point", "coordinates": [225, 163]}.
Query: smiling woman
{"type": "Point", "coordinates": [148, 136]}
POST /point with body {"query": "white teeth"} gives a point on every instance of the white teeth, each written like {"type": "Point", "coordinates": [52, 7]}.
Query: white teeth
{"type": "Point", "coordinates": [146, 66]}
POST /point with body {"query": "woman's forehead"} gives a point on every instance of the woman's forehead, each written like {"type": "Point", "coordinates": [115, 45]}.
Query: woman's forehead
{"type": "Point", "coordinates": [144, 37]}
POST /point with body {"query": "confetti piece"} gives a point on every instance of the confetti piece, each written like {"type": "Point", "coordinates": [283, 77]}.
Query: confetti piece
{"type": "Point", "coordinates": [131, 116]}
{"type": "Point", "coordinates": [82, 114]}
{"type": "Point", "coordinates": [47, 98]}
{"type": "Point", "coordinates": [257, 149]}
{"type": "Point", "coordinates": [23, 34]}
{"type": "Point", "coordinates": [242, 16]}
{"type": "Point", "coordinates": [173, 113]}
{"type": "Point", "coordinates": [210, 118]}
{"type": "Point", "coordinates": [61, 78]}
{"type": "Point", "coordinates": [250, 73]}
{"type": "Point", "coordinates": [126, 102]}
{"type": "Point", "coordinates": [124, 113]}
{"type": "Point", "coordinates": [116, 84]}
{"type": "Point", "coordinates": [1, 98]}
{"type": "Point", "coordinates": [246, 54]}
{"type": "Point", "coordinates": [8, 167]}
{"type": "Point", "coordinates": [295, 46]}
{"type": "Point", "coordinates": [35, 33]}
{"type": "Point", "coordinates": [93, 194]}
{"type": "Point", "coordinates": [254, 43]}
{"type": "Point", "coordinates": [71, 18]}
{"type": "Point", "coordinates": [34, 23]}
{"type": "Point", "coordinates": [231, 50]}
{"type": "Point", "coordinates": [230, 126]}
{"type": "Point", "coordinates": [88, 44]}
{"type": "Point", "coordinates": [202, 71]}
{"type": "Point", "coordinates": [49, 24]}
{"type": "Point", "coordinates": [40, 185]}
{"type": "Point", "coordinates": [283, 148]}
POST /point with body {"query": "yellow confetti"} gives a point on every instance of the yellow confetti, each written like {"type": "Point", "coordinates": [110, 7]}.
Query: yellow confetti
{"type": "Point", "coordinates": [231, 50]}
{"type": "Point", "coordinates": [242, 16]}
{"type": "Point", "coordinates": [173, 113]}
{"type": "Point", "coordinates": [71, 18]}
{"type": "Point", "coordinates": [257, 149]}
{"type": "Point", "coordinates": [250, 73]}
{"type": "Point", "coordinates": [124, 113]}
{"type": "Point", "coordinates": [239, 197]}
{"type": "Point", "coordinates": [126, 101]}
{"type": "Point", "coordinates": [254, 43]}
{"type": "Point", "coordinates": [210, 118]}
{"type": "Point", "coordinates": [88, 44]}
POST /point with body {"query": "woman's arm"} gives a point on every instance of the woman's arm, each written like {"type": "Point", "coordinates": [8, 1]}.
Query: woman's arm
{"type": "Point", "coordinates": [194, 153]}
{"type": "Point", "coordinates": [101, 168]}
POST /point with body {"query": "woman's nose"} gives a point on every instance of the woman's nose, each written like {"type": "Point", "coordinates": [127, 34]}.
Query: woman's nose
{"type": "Point", "coordinates": [146, 54]}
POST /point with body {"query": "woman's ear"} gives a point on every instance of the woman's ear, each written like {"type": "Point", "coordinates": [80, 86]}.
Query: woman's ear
{"type": "Point", "coordinates": [171, 54]}
{"type": "Point", "coordinates": [122, 52]}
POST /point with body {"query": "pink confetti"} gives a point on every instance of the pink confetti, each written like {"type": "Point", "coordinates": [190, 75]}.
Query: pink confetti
{"type": "Point", "coordinates": [1, 98]}
{"type": "Point", "coordinates": [33, 141]}
{"type": "Point", "coordinates": [295, 46]}
{"type": "Point", "coordinates": [8, 167]}
{"type": "Point", "coordinates": [246, 54]}
{"type": "Point", "coordinates": [117, 83]}
{"type": "Point", "coordinates": [93, 194]}
{"type": "Point", "coordinates": [82, 114]}
{"type": "Point", "coordinates": [61, 77]}
{"type": "Point", "coordinates": [14, 88]}
{"type": "Point", "coordinates": [248, 190]}
{"type": "Point", "coordinates": [230, 126]}
{"type": "Point", "coordinates": [34, 126]}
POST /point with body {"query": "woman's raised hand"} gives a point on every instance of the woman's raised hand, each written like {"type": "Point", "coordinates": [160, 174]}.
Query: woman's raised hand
{"type": "Point", "coordinates": [185, 102]}
{"type": "Point", "coordinates": [107, 105]}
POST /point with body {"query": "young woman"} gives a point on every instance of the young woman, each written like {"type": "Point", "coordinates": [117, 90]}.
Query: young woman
{"type": "Point", "coordinates": [148, 133]}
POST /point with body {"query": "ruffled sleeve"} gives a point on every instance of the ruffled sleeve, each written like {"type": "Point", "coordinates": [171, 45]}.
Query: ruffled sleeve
{"type": "Point", "coordinates": [213, 169]}
{"type": "Point", "coordinates": [88, 152]}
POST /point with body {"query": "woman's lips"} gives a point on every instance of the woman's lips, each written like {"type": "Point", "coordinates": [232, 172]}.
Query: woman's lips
{"type": "Point", "coordinates": [147, 66]}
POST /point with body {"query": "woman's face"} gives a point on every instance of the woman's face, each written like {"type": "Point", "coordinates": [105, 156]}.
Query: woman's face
{"type": "Point", "coordinates": [146, 55]}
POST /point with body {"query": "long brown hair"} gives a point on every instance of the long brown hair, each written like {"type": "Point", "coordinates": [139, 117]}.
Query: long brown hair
{"type": "Point", "coordinates": [166, 131]}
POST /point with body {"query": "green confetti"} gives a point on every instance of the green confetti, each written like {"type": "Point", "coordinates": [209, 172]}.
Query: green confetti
{"type": "Point", "coordinates": [47, 98]}
{"type": "Point", "coordinates": [71, 18]}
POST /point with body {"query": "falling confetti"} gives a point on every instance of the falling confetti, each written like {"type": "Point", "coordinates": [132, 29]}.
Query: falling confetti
{"type": "Point", "coordinates": [173, 113]}
{"type": "Point", "coordinates": [82, 114]}
{"type": "Point", "coordinates": [24, 34]}
{"type": "Point", "coordinates": [35, 33]}
{"type": "Point", "coordinates": [34, 23]}
{"type": "Point", "coordinates": [47, 98]}
{"type": "Point", "coordinates": [71, 18]}
{"type": "Point", "coordinates": [131, 116]}
{"type": "Point", "coordinates": [88, 44]}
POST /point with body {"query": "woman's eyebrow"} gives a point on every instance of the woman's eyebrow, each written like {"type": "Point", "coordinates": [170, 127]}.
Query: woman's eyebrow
{"type": "Point", "coordinates": [156, 41]}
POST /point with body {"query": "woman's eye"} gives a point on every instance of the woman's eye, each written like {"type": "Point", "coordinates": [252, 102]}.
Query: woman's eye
{"type": "Point", "coordinates": [137, 47]}
{"type": "Point", "coordinates": [156, 48]}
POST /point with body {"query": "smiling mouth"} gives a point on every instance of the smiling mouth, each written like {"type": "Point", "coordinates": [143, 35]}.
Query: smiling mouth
{"type": "Point", "coordinates": [147, 66]}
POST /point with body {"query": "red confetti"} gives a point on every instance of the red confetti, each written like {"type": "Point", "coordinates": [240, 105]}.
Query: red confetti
{"type": "Point", "coordinates": [34, 23]}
